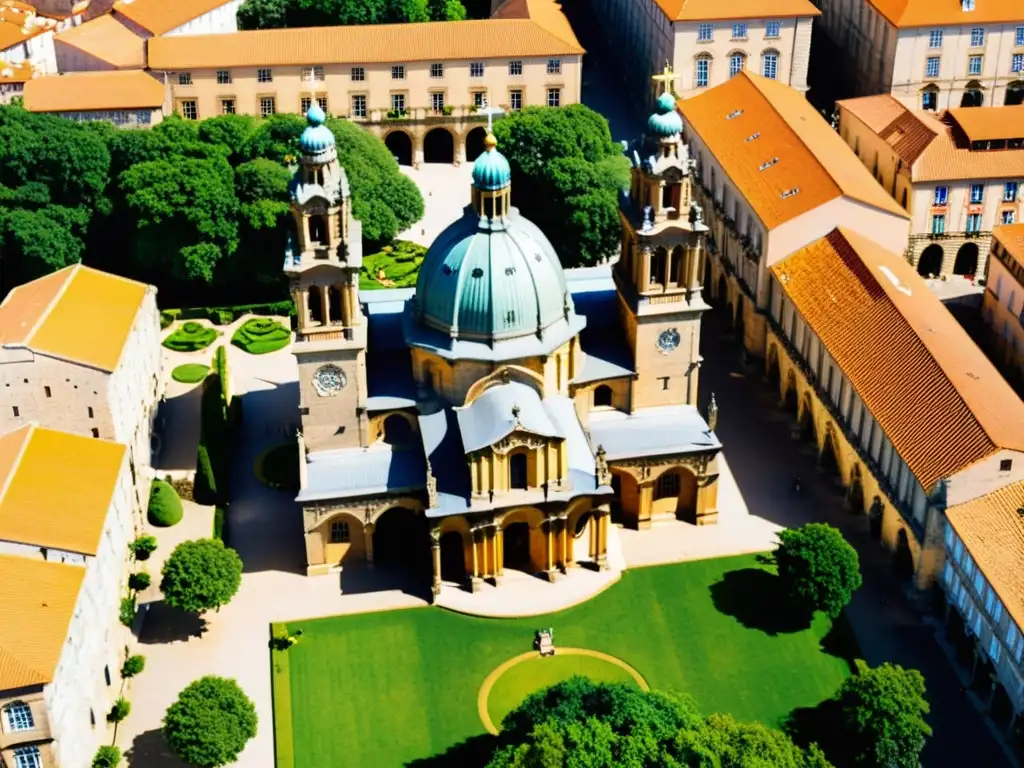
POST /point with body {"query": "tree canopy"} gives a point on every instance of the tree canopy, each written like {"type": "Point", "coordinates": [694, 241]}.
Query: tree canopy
{"type": "Point", "coordinates": [276, 14]}
{"type": "Point", "coordinates": [819, 569]}
{"type": "Point", "coordinates": [210, 723]}
{"type": "Point", "coordinates": [201, 575]}
{"type": "Point", "coordinates": [566, 176]}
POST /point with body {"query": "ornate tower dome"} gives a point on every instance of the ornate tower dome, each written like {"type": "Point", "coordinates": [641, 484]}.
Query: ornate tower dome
{"type": "Point", "coordinates": [491, 170]}
{"type": "Point", "coordinates": [665, 122]}
{"type": "Point", "coordinates": [317, 140]}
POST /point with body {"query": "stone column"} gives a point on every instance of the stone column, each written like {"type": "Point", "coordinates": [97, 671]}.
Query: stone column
{"type": "Point", "coordinates": [302, 307]}
{"type": "Point", "coordinates": [368, 534]}
{"type": "Point", "coordinates": [593, 537]}
{"type": "Point", "coordinates": [645, 502]}
{"type": "Point", "coordinates": [495, 538]}
{"type": "Point", "coordinates": [645, 275]}
{"type": "Point", "coordinates": [564, 524]}
{"type": "Point", "coordinates": [602, 541]}
{"type": "Point", "coordinates": [346, 306]}
{"type": "Point", "coordinates": [666, 279]}
{"type": "Point", "coordinates": [499, 552]}
{"type": "Point", "coordinates": [435, 550]}
{"type": "Point", "coordinates": [475, 580]}
{"type": "Point", "coordinates": [549, 525]}
{"type": "Point", "coordinates": [325, 303]}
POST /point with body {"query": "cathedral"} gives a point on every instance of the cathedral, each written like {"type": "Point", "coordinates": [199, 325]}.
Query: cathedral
{"type": "Point", "coordinates": [505, 412]}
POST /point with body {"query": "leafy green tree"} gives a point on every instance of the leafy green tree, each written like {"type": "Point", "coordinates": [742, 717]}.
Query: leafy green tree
{"type": "Point", "coordinates": [106, 757]}
{"type": "Point", "coordinates": [230, 132]}
{"type": "Point", "coordinates": [819, 569]}
{"type": "Point", "coordinates": [201, 575]}
{"type": "Point", "coordinates": [210, 723]}
{"type": "Point", "coordinates": [755, 745]}
{"type": "Point", "coordinates": [276, 14]}
{"type": "Point", "coordinates": [276, 138]}
{"type": "Point", "coordinates": [883, 716]}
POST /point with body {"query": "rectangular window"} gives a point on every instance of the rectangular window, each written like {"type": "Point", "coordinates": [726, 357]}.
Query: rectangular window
{"type": "Point", "coordinates": [949, 536]}
{"type": "Point", "coordinates": [935, 38]}
{"type": "Point", "coordinates": [515, 67]}
{"type": "Point", "coordinates": [91, 413]}
{"type": "Point", "coordinates": [993, 649]}
{"type": "Point", "coordinates": [339, 532]}
{"type": "Point", "coordinates": [997, 611]}
{"type": "Point", "coordinates": [95, 432]}
{"type": "Point", "coordinates": [1019, 38]}
{"type": "Point", "coordinates": [304, 104]}
{"type": "Point", "coordinates": [515, 100]}
{"type": "Point", "coordinates": [189, 110]}
{"type": "Point", "coordinates": [929, 100]}
{"type": "Point", "coordinates": [947, 574]}
{"type": "Point", "coordinates": [476, 69]}
{"type": "Point", "coordinates": [437, 102]}
{"type": "Point", "coordinates": [19, 717]}
{"type": "Point", "coordinates": [268, 106]}
{"type": "Point", "coordinates": [223, 77]}
{"type": "Point", "coordinates": [979, 581]}
{"type": "Point", "coordinates": [938, 225]}
{"type": "Point", "coordinates": [264, 76]}
{"type": "Point", "coordinates": [1010, 192]}
{"type": "Point", "coordinates": [313, 74]}
{"type": "Point", "coordinates": [974, 222]}
{"type": "Point", "coordinates": [554, 67]}
{"type": "Point", "coordinates": [736, 64]}
{"type": "Point", "coordinates": [739, 31]}
{"type": "Point", "coordinates": [17, 413]}
{"type": "Point", "coordinates": [701, 77]}
{"type": "Point", "coordinates": [974, 65]}
{"type": "Point", "coordinates": [359, 106]}
{"type": "Point", "coordinates": [1009, 217]}
{"type": "Point", "coordinates": [773, 29]}
{"type": "Point", "coordinates": [977, 193]}
{"type": "Point", "coordinates": [46, 391]}
{"type": "Point", "coordinates": [398, 103]}
{"type": "Point", "coordinates": [977, 37]}
{"type": "Point", "coordinates": [358, 74]}
{"type": "Point", "coordinates": [770, 65]}
{"type": "Point", "coordinates": [1017, 63]}
{"type": "Point", "coordinates": [941, 196]}
{"type": "Point", "coordinates": [184, 78]}
{"type": "Point", "coordinates": [436, 71]}
{"type": "Point", "coordinates": [705, 33]}
{"type": "Point", "coordinates": [554, 97]}
{"type": "Point", "coordinates": [398, 72]}
{"type": "Point", "coordinates": [931, 66]}
{"type": "Point", "coordinates": [227, 106]}
{"type": "Point", "coordinates": [479, 99]}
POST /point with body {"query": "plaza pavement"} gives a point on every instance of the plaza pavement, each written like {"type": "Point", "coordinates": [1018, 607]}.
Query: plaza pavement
{"type": "Point", "coordinates": [446, 191]}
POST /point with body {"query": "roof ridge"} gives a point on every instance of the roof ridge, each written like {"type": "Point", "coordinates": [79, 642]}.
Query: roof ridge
{"type": "Point", "coordinates": [72, 271]}
{"type": "Point", "coordinates": [30, 429]}
{"type": "Point", "coordinates": [23, 667]}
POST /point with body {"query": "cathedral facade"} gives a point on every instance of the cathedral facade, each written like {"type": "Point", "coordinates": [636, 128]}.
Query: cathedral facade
{"type": "Point", "coordinates": [505, 411]}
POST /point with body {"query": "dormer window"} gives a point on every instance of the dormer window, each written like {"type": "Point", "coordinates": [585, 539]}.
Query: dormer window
{"type": "Point", "coordinates": [967, 5]}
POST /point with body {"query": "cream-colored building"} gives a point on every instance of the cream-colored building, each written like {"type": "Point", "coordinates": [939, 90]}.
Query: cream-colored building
{"type": "Point", "coordinates": [80, 351]}
{"type": "Point", "coordinates": [130, 98]}
{"type": "Point", "coordinates": [419, 86]}
{"type": "Point", "coordinates": [1003, 306]}
{"type": "Point", "coordinates": [898, 400]}
{"type": "Point", "coordinates": [932, 55]}
{"type": "Point", "coordinates": [708, 41]}
{"type": "Point", "coordinates": [774, 177]}
{"type": "Point", "coordinates": [67, 514]}
{"type": "Point", "coordinates": [958, 176]}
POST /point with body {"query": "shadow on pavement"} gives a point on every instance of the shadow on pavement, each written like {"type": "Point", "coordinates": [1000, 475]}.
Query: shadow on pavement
{"type": "Point", "coordinates": [358, 580]}
{"type": "Point", "coordinates": [754, 597]}
{"type": "Point", "coordinates": [149, 750]}
{"type": "Point", "coordinates": [177, 428]}
{"type": "Point", "coordinates": [169, 625]}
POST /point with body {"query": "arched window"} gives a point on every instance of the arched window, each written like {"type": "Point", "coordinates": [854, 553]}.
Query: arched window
{"type": "Point", "coordinates": [657, 272]}
{"type": "Point", "coordinates": [676, 272]}
{"type": "Point", "coordinates": [396, 430]}
{"type": "Point", "coordinates": [318, 229]}
{"type": "Point", "coordinates": [930, 97]}
{"type": "Point", "coordinates": [737, 63]}
{"type": "Point", "coordinates": [18, 717]}
{"type": "Point", "coordinates": [702, 71]}
{"type": "Point", "coordinates": [517, 471]}
{"type": "Point", "coordinates": [27, 757]}
{"type": "Point", "coordinates": [340, 533]}
{"type": "Point", "coordinates": [667, 486]}
{"type": "Point", "coordinates": [770, 64]}
{"type": "Point", "coordinates": [315, 304]}
{"type": "Point", "coordinates": [603, 396]}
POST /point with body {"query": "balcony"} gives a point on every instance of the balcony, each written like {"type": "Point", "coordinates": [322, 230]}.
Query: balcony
{"type": "Point", "coordinates": [445, 115]}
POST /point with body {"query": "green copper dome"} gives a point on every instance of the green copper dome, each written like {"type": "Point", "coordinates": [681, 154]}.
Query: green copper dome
{"type": "Point", "coordinates": [491, 170]}
{"type": "Point", "coordinates": [316, 137]}
{"type": "Point", "coordinates": [666, 121]}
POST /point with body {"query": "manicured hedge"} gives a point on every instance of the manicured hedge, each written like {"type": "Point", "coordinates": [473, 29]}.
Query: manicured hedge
{"type": "Point", "coordinates": [190, 373]}
{"type": "Point", "coordinates": [191, 336]}
{"type": "Point", "coordinates": [227, 315]}
{"type": "Point", "coordinates": [219, 418]}
{"type": "Point", "coordinates": [261, 335]}
{"type": "Point", "coordinates": [220, 518]}
{"type": "Point", "coordinates": [164, 505]}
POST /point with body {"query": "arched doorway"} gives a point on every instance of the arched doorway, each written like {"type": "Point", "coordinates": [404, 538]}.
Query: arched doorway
{"type": "Point", "coordinates": [807, 431]}
{"type": "Point", "coordinates": [903, 560]}
{"type": "Point", "coordinates": [829, 455]}
{"type": "Point", "coordinates": [856, 494]}
{"type": "Point", "coordinates": [789, 399]}
{"type": "Point", "coordinates": [401, 540]}
{"type": "Point", "coordinates": [453, 557]}
{"type": "Point", "coordinates": [581, 537]}
{"type": "Point", "coordinates": [396, 431]}
{"type": "Point", "coordinates": [966, 260]}
{"type": "Point", "coordinates": [516, 547]}
{"type": "Point", "coordinates": [438, 146]}
{"type": "Point", "coordinates": [675, 491]}
{"type": "Point", "coordinates": [475, 143]}
{"type": "Point", "coordinates": [875, 521]}
{"type": "Point", "coordinates": [334, 304]}
{"type": "Point", "coordinates": [771, 372]}
{"type": "Point", "coordinates": [739, 320]}
{"type": "Point", "coordinates": [930, 262]}
{"type": "Point", "coordinates": [1014, 94]}
{"type": "Point", "coordinates": [314, 303]}
{"type": "Point", "coordinates": [603, 396]}
{"type": "Point", "coordinates": [517, 471]}
{"type": "Point", "coordinates": [974, 95]}
{"type": "Point", "coordinates": [399, 144]}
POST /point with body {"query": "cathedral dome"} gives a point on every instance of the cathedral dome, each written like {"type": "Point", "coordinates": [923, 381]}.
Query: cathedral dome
{"type": "Point", "coordinates": [316, 138]}
{"type": "Point", "coordinates": [666, 121]}
{"type": "Point", "coordinates": [491, 170]}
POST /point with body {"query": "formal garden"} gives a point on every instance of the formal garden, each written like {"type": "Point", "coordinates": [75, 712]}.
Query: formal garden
{"type": "Point", "coordinates": [261, 335]}
{"type": "Point", "coordinates": [191, 336]}
{"type": "Point", "coordinates": [394, 266]}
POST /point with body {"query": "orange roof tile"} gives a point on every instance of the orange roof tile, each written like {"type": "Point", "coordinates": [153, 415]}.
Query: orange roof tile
{"type": "Point", "coordinates": [709, 10]}
{"type": "Point", "coordinates": [16, 73]}
{"type": "Point", "coordinates": [992, 529]}
{"type": "Point", "coordinates": [19, 23]}
{"type": "Point", "coordinates": [928, 13]}
{"type": "Point", "coordinates": [107, 39]}
{"type": "Point", "coordinates": [46, 315]}
{"type": "Point", "coordinates": [811, 157]}
{"type": "Point", "coordinates": [370, 44]}
{"type": "Point", "coordinates": [876, 112]}
{"type": "Point", "coordinates": [58, 491]}
{"type": "Point", "coordinates": [85, 91]}
{"type": "Point", "coordinates": [1011, 238]}
{"type": "Point", "coordinates": [934, 393]}
{"type": "Point", "coordinates": [992, 123]}
{"type": "Point", "coordinates": [160, 16]}
{"type": "Point", "coordinates": [35, 615]}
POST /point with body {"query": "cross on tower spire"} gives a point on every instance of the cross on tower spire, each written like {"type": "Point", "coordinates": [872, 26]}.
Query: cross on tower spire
{"type": "Point", "coordinates": [666, 78]}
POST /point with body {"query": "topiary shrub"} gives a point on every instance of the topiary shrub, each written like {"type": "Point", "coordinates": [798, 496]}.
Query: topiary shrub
{"type": "Point", "coordinates": [139, 581]}
{"type": "Point", "coordinates": [219, 523]}
{"type": "Point", "coordinates": [164, 505]}
{"type": "Point", "coordinates": [191, 336]}
{"type": "Point", "coordinates": [205, 489]}
{"type": "Point", "coordinates": [126, 615]}
{"type": "Point", "coordinates": [119, 711]}
{"type": "Point", "coordinates": [166, 318]}
{"type": "Point", "coordinates": [142, 547]}
{"type": "Point", "coordinates": [190, 373]}
{"type": "Point", "coordinates": [261, 335]}
{"type": "Point", "coordinates": [107, 757]}
{"type": "Point", "coordinates": [133, 665]}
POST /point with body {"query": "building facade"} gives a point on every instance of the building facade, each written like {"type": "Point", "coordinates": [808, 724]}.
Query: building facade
{"type": "Point", "coordinates": [952, 432]}
{"type": "Point", "coordinates": [125, 98]}
{"type": "Point", "coordinates": [958, 175]}
{"type": "Point", "coordinates": [1002, 308]}
{"type": "Point", "coordinates": [932, 56]}
{"type": "Point", "coordinates": [66, 516]}
{"type": "Point", "coordinates": [707, 42]}
{"type": "Point", "coordinates": [104, 384]}
{"type": "Point", "coordinates": [494, 417]}
{"type": "Point", "coordinates": [421, 87]}
{"type": "Point", "coordinates": [773, 178]}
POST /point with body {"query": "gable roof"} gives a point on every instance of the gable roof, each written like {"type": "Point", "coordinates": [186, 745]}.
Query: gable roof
{"type": "Point", "coordinates": [35, 615]}
{"type": "Point", "coordinates": [881, 324]}
{"type": "Point", "coordinates": [992, 123]}
{"type": "Point", "coordinates": [86, 91]}
{"type": "Point", "coordinates": [108, 40]}
{"type": "Point", "coordinates": [56, 488]}
{"type": "Point", "coordinates": [46, 315]}
{"type": "Point", "coordinates": [161, 16]}
{"type": "Point", "coordinates": [544, 33]}
{"type": "Point", "coordinates": [709, 10]}
{"type": "Point", "coordinates": [927, 13]}
{"type": "Point", "coordinates": [1011, 238]}
{"type": "Point", "coordinates": [750, 120]}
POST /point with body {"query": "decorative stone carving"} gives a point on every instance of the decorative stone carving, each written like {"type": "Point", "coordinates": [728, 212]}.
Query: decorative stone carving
{"type": "Point", "coordinates": [712, 413]}
{"type": "Point", "coordinates": [696, 213]}
{"type": "Point", "coordinates": [435, 536]}
{"type": "Point", "coordinates": [643, 468]}
{"type": "Point", "coordinates": [517, 439]}
{"type": "Point", "coordinates": [604, 475]}
{"type": "Point", "coordinates": [432, 500]}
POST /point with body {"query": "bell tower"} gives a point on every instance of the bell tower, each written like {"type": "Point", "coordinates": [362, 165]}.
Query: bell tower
{"type": "Point", "coordinates": [660, 271]}
{"type": "Point", "coordinates": [322, 260]}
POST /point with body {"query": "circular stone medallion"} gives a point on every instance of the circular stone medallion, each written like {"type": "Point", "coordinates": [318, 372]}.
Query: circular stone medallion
{"type": "Point", "coordinates": [668, 340]}
{"type": "Point", "coordinates": [329, 380]}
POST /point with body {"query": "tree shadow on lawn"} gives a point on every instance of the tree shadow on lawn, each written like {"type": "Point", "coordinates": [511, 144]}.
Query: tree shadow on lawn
{"type": "Point", "coordinates": [164, 624]}
{"type": "Point", "coordinates": [149, 750]}
{"type": "Point", "coordinates": [754, 597]}
{"type": "Point", "coordinates": [474, 752]}
{"type": "Point", "coordinates": [822, 725]}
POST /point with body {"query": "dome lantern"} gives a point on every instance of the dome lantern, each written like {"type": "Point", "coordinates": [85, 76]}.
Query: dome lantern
{"type": "Point", "coordinates": [317, 140]}
{"type": "Point", "coordinates": [492, 178]}
{"type": "Point", "coordinates": [665, 122]}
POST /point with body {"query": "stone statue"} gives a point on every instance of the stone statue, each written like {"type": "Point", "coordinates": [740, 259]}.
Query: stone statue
{"type": "Point", "coordinates": [432, 500]}
{"type": "Point", "coordinates": [712, 413]}
{"type": "Point", "coordinates": [648, 219]}
{"type": "Point", "coordinates": [291, 253]}
{"type": "Point", "coordinates": [604, 475]}
{"type": "Point", "coordinates": [696, 213]}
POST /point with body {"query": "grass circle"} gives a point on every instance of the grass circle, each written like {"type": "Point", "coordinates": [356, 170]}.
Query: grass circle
{"type": "Point", "coordinates": [508, 685]}
{"type": "Point", "coordinates": [190, 373]}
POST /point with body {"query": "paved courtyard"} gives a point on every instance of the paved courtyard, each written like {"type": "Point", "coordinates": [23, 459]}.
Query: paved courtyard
{"type": "Point", "coordinates": [446, 191]}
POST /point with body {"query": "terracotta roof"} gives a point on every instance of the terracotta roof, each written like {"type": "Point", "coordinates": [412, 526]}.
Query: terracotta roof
{"type": "Point", "coordinates": [371, 44]}
{"type": "Point", "coordinates": [992, 529]}
{"type": "Point", "coordinates": [930, 13]}
{"type": "Point", "coordinates": [876, 112]}
{"type": "Point", "coordinates": [107, 39]}
{"type": "Point", "coordinates": [991, 123]}
{"type": "Point", "coordinates": [46, 315]}
{"type": "Point", "coordinates": [160, 16]}
{"type": "Point", "coordinates": [1011, 237]}
{"type": "Point", "coordinates": [35, 615]}
{"type": "Point", "coordinates": [85, 91]}
{"type": "Point", "coordinates": [20, 22]}
{"type": "Point", "coordinates": [934, 393]}
{"type": "Point", "coordinates": [809, 156]}
{"type": "Point", "coordinates": [58, 490]}
{"type": "Point", "coordinates": [16, 73]}
{"type": "Point", "coordinates": [710, 10]}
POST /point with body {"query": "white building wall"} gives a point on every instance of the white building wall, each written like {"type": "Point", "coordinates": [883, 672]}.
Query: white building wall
{"type": "Point", "coordinates": [222, 19]}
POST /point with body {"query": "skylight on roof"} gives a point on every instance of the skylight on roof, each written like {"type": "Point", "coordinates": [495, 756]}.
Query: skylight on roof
{"type": "Point", "coordinates": [735, 113]}
{"type": "Point", "coordinates": [768, 164]}
{"type": "Point", "coordinates": [753, 136]}
{"type": "Point", "coordinates": [790, 192]}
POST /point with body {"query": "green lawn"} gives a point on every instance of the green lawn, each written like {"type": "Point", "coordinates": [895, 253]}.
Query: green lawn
{"type": "Point", "coordinates": [387, 688]}
{"type": "Point", "coordinates": [190, 373]}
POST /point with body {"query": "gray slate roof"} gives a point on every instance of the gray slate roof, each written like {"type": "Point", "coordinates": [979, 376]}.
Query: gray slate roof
{"type": "Point", "coordinates": [352, 472]}
{"type": "Point", "coordinates": [657, 431]}
{"type": "Point", "coordinates": [490, 417]}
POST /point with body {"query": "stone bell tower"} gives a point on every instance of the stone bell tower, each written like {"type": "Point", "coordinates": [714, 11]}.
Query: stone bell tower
{"type": "Point", "coordinates": [322, 260]}
{"type": "Point", "coordinates": [660, 271]}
